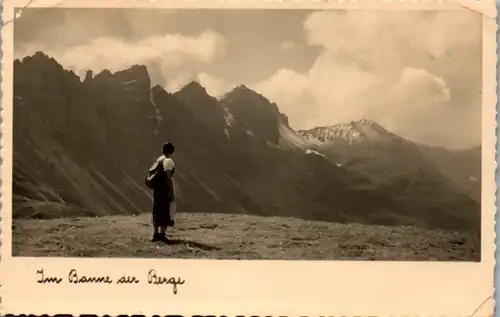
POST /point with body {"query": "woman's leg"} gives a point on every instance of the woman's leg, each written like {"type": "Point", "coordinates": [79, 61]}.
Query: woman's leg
{"type": "Point", "coordinates": [156, 235]}
{"type": "Point", "coordinates": [162, 235]}
{"type": "Point", "coordinates": [172, 210]}
{"type": "Point", "coordinates": [154, 218]}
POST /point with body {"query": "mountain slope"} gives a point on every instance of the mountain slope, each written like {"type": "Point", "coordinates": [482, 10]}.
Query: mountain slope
{"type": "Point", "coordinates": [83, 147]}
{"type": "Point", "coordinates": [462, 167]}
{"type": "Point", "coordinates": [395, 165]}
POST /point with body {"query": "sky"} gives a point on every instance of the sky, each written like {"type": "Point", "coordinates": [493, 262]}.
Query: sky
{"type": "Point", "coordinates": [417, 73]}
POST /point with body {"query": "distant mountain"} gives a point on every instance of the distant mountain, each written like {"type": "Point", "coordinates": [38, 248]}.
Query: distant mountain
{"type": "Point", "coordinates": [462, 167]}
{"type": "Point", "coordinates": [416, 175]}
{"type": "Point", "coordinates": [83, 148]}
{"type": "Point", "coordinates": [354, 132]}
{"type": "Point", "coordinates": [368, 146]}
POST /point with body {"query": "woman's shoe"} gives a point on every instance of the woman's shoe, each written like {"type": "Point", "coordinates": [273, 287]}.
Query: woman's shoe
{"type": "Point", "coordinates": [156, 237]}
{"type": "Point", "coordinates": [163, 238]}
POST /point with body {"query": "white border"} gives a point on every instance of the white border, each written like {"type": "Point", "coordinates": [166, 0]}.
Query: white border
{"type": "Point", "coordinates": [276, 288]}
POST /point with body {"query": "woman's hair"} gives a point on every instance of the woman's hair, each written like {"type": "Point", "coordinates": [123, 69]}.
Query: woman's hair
{"type": "Point", "coordinates": [168, 148]}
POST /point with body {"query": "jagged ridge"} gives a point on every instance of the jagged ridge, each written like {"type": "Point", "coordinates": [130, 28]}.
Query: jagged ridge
{"type": "Point", "coordinates": [89, 143]}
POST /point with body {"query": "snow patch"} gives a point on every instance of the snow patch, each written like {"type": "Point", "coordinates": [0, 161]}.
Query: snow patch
{"type": "Point", "coordinates": [343, 131]}
{"type": "Point", "coordinates": [314, 152]}
{"type": "Point", "coordinates": [129, 82]}
{"type": "Point", "coordinates": [250, 133]}
{"type": "Point", "coordinates": [228, 117]}
{"type": "Point", "coordinates": [158, 116]}
{"type": "Point", "coordinates": [354, 132]}
{"type": "Point", "coordinates": [272, 145]}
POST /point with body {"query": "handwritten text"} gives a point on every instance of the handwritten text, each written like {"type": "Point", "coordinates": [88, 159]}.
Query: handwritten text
{"type": "Point", "coordinates": [75, 277]}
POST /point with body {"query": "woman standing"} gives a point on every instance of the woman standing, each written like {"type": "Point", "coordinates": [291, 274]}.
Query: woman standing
{"type": "Point", "coordinates": [163, 193]}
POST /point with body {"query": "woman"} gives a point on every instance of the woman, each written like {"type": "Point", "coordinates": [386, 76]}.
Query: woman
{"type": "Point", "coordinates": [163, 193]}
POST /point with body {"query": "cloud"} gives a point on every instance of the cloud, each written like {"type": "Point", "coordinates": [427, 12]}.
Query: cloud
{"type": "Point", "coordinates": [292, 91]}
{"type": "Point", "coordinates": [175, 58]}
{"type": "Point", "coordinates": [418, 107]}
{"type": "Point", "coordinates": [290, 45]}
{"type": "Point", "coordinates": [215, 87]}
{"type": "Point", "coordinates": [416, 73]}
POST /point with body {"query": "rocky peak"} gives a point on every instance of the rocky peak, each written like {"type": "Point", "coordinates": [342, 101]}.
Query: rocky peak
{"type": "Point", "coordinates": [40, 62]}
{"type": "Point", "coordinates": [354, 132]}
{"type": "Point", "coordinates": [284, 120]}
{"type": "Point", "coordinates": [242, 89]}
{"type": "Point", "coordinates": [38, 54]}
{"type": "Point", "coordinates": [366, 123]}
{"type": "Point", "coordinates": [195, 94]}
{"type": "Point", "coordinates": [134, 74]}
{"type": "Point", "coordinates": [158, 88]}
{"type": "Point", "coordinates": [167, 102]}
{"type": "Point", "coordinates": [243, 93]}
{"type": "Point", "coordinates": [205, 107]}
{"type": "Point", "coordinates": [41, 58]}
{"type": "Point", "coordinates": [256, 115]}
{"type": "Point", "coordinates": [193, 87]}
{"type": "Point", "coordinates": [89, 74]}
{"type": "Point", "coordinates": [124, 86]}
{"type": "Point", "coordinates": [40, 75]}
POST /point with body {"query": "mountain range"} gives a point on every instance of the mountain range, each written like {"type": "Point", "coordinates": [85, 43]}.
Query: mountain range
{"type": "Point", "coordinates": [83, 147]}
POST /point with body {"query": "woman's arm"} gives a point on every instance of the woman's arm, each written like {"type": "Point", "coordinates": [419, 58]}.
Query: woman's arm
{"type": "Point", "coordinates": [168, 166]}
{"type": "Point", "coordinates": [170, 185]}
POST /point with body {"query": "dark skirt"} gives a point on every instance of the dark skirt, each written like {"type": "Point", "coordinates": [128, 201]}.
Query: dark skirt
{"type": "Point", "coordinates": [161, 208]}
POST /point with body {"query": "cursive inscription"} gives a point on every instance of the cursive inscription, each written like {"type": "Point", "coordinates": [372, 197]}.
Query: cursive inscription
{"type": "Point", "coordinates": [75, 279]}
{"type": "Point", "coordinates": [127, 280]}
{"type": "Point", "coordinates": [153, 278]}
{"type": "Point", "coordinates": [50, 279]}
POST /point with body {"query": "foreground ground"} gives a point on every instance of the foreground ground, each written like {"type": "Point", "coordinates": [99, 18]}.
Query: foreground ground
{"type": "Point", "coordinates": [216, 236]}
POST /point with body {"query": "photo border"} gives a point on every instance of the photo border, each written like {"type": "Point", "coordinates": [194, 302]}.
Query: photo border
{"type": "Point", "coordinates": [258, 287]}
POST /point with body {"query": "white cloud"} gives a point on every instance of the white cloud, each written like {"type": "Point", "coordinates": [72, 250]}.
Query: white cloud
{"type": "Point", "coordinates": [291, 90]}
{"type": "Point", "coordinates": [290, 45]}
{"type": "Point", "coordinates": [417, 73]}
{"type": "Point", "coordinates": [215, 87]}
{"type": "Point", "coordinates": [176, 57]}
{"type": "Point", "coordinates": [296, 84]}
{"type": "Point", "coordinates": [417, 107]}
{"type": "Point", "coordinates": [399, 69]}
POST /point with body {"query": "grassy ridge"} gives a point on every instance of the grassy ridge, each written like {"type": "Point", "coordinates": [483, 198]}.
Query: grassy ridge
{"type": "Point", "coordinates": [220, 236]}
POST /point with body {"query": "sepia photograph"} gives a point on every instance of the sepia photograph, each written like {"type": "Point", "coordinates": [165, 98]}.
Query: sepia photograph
{"type": "Point", "coordinates": [248, 158]}
{"type": "Point", "coordinates": [247, 134]}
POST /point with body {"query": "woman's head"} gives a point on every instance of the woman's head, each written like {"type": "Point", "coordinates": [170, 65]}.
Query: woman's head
{"type": "Point", "coordinates": [168, 148]}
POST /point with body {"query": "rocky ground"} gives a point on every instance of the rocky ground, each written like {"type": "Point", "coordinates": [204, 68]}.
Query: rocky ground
{"type": "Point", "coordinates": [221, 236]}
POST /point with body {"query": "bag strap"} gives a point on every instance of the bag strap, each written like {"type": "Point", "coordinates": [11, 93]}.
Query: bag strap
{"type": "Point", "coordinates": [159, 165]}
